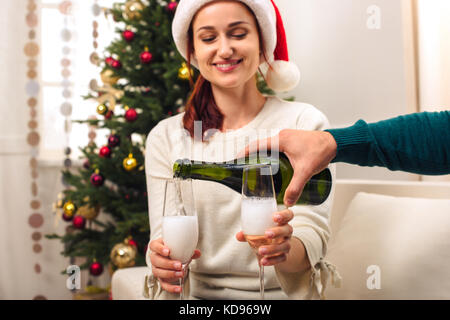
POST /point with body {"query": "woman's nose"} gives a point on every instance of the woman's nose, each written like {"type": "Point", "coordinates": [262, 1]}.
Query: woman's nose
{"type": "Point", "coordinates": [225, 49]}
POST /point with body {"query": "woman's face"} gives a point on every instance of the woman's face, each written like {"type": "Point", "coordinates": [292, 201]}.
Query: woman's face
{"type": "Point", "coordinates": [226, 43]}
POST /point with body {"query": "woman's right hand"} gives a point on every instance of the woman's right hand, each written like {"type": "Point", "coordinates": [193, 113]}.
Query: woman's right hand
{"type": "Point", "coordinates": [168, 271]}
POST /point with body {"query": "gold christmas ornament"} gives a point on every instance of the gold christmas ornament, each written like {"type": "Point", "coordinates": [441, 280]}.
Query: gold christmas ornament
{"type": "Point", "coordinates": [89, 213]}
{"type": "Point", "coordinates": [183, 72]}
{"type": "Point", "coordinates": [123, 255]}
{"type": "Point", "coordinates": [102, 109]}
{"type": "Point", "coordinates": [69, 208]}
{"type": "Point", "coordinates": [129, 163]}
{"type": "Point", "coordinates": [108, 77]}
{"type": "Point", "coordinates": [133, 9]}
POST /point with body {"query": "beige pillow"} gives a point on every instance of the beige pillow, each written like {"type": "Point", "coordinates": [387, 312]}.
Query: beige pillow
{"type": "Point", "coordinates": [392, 248]}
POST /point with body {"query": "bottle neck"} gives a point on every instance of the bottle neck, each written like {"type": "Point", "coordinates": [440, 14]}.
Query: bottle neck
{"type": "Point", "coordinates": [185, 168]}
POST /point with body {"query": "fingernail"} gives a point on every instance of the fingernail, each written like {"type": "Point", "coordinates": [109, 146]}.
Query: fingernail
{"type": "Point", "coordinates": [177, 265]}
{"type": "Point", "coordinates": [278, 218]}
{"type": "Point", "coordinates": [262, 251]}
{"type": "Point", "coordinates": [270, 234]}
{"type": "Point", "coordinates": [178, 274]}
{"type": "Point", "coordinates": [166, 252]}
{"type": "Point", "coordinates": [177, 289]}
{"type": "Point", "coordinates": [290, 202]}
{"type": "Point", "coordinates": [264, 262]}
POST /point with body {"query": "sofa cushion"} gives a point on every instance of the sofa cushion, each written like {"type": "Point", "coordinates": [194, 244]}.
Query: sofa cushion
{"type": "Point", "coordinates": [129, 283]}
{"type": "Point", "coordinates": [392, 248]}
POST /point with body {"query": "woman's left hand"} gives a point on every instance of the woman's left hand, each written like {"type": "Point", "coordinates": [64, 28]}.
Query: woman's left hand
{"type": "Point", "coordinates": [278, 251]}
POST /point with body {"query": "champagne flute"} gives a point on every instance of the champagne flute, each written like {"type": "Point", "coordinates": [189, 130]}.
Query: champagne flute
{"type": "Point", "coordinates": [180, 223]}
{"type": "Point", "coordinates": [258, 205]}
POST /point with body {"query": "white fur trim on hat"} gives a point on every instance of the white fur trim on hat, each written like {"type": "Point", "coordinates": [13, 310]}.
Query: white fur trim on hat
{"type": "Point", "coordinates": [283, 76]}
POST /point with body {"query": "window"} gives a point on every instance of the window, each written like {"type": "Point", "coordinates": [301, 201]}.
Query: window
{"type": "Point", "coordinates": [71, 37]}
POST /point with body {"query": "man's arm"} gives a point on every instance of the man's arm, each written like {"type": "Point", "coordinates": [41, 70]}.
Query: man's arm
{"type": "Point", "coordinates": [418, 143]}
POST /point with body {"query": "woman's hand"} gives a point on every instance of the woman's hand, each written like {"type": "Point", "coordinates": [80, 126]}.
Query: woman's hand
{"type": "Point", "coordinates": [167, 271]}
{"type": "Point", "coordinates": [278, 251]}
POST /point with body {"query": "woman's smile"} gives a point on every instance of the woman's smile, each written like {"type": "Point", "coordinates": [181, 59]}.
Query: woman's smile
{"type": "Point", "coordinates": [227, 66]}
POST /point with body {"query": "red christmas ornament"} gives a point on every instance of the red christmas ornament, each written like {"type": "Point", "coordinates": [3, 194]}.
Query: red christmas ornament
{"type": "Point", "coordinates": [109, 114]}
{"type": "Point", "coordinates": [109, 61]}
{"type": "Point", "coordinates": [128, 35]}
{"type": "Point", "coordinates": [113, 140]}
{"type": "Point", "coordinates": [131, 242]}
{"type": "Point", "coordinates": [105, 152]}
{"type": "Point", "coordinates": [131, 115]}
{"type": "Point", "coordinates": [97, 179]}
{"type": "Point", "coordinates": [86, 164]}
{"type": "Point", "coordinates": [67, 217]}
{"type": "Point", "coordinates": [146, 57]}
{"type": "Point", "coordinates": [96, 268]}
{"type": "Point", "coordinates": [116, 64]}
{"type": "Point", "coordinates": [79, 222]}
{"type": "Point", "coordinates": [172, 6]}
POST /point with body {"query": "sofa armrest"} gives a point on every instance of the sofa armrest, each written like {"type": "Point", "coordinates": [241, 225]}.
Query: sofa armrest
{"type": "Point", "coordinates": [129, 283]}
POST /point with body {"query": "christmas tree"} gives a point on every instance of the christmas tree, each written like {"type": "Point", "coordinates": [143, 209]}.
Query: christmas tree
{"type": "Point", "coordinates": [145, 80]}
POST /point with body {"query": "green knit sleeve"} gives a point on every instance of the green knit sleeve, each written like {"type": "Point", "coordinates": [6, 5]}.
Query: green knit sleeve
{"type": "Point", "coordinates": [417, 143]}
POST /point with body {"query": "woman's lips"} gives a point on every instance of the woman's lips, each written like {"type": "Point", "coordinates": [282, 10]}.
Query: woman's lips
{"type": "Point", "coordinates": [228, 66]}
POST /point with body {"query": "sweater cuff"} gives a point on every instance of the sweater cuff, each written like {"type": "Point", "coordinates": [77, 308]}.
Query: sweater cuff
{"type": "Point", "coordinates": [299, 285]}
{"type": "Point", "coordinates": [311, 283]}
{"type": "Point", "coordinates": [347, 137]}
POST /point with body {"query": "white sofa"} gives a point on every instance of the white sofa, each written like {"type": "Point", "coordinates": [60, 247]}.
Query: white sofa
{"type": "Point", "coordinates": [390, 240]}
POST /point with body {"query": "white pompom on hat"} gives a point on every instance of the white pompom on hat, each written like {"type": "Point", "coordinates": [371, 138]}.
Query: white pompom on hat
{"type": "Point", "coordinates": [282, 75]}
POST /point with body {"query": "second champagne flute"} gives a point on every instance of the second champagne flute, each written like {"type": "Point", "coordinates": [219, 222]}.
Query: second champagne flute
{"type": "Point", "coordinates": [258, 205]}
{"type": "Point", "coordinates": [180, 223]}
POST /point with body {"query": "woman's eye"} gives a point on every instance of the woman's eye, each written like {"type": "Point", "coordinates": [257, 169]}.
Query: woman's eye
{"type": "Point", "coordinates": [207, 39]}
{"type": "Point", "coordinates": [239, 35]}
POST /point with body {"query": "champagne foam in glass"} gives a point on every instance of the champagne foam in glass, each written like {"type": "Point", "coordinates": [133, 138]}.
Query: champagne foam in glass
{"type": "Point", "coordinates": [256, 215]}
{"type": "Point", "coordinates": [180, 234]}
{"type": "Point", "coordinates": [257, 208]}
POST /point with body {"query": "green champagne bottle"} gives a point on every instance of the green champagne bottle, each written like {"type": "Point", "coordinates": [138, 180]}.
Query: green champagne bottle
{"type": "Point", "coordinates": [229, 173]}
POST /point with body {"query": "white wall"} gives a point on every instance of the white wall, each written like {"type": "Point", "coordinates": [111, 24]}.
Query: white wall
{"type": "Point", "coordinates": [348, 70]}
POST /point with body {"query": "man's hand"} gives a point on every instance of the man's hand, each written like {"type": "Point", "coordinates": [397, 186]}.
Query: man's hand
{"type": "Point", "coordinates": [308, 151]}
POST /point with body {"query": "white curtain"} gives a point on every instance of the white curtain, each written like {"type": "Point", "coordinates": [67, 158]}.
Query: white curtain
{"type": "Point", "coordinates": [434, 58]}
{"type": "Point", "coordinates": [434, 54]}
{"type": "Point", "coordinates": [18, 278]}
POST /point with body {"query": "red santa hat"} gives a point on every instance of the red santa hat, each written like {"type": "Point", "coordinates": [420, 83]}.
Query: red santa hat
{"type": "Point", "coordinates": [282, 75]}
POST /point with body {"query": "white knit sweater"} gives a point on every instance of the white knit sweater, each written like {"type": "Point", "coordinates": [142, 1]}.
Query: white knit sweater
{"type": "Point", "coordinates": [227, 268]}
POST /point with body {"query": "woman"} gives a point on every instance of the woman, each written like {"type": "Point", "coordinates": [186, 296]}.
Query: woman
{"type": "Point", "coordinates": [227, 41]}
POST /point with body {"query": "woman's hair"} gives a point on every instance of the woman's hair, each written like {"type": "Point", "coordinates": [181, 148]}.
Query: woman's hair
{"type": "Point", "coordinates": [201, 105]}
